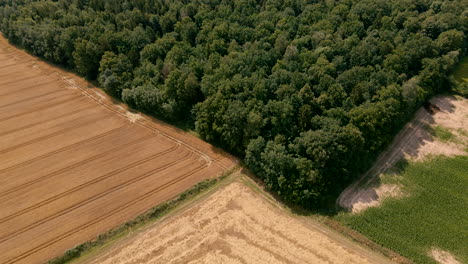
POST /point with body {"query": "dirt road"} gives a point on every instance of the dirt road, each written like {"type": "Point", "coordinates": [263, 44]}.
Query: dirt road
{"type": "Point", "coordinates": [414, 142]}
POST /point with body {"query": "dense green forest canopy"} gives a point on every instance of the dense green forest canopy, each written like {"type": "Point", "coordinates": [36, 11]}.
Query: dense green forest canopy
{"type": "Point", "coordinates": [306, 91]}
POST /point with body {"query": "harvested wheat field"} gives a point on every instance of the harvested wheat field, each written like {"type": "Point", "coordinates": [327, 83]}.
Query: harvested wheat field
{"type": "Point", "coordinates": [73, 164]}
{"type": "Point", "coordinates": [235, 225]}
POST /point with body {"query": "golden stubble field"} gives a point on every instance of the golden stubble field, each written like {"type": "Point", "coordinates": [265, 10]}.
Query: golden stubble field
{"type": "Point", "coordinates": [237, 223]}
{"type": "Point", "coordinates": [73, 164]}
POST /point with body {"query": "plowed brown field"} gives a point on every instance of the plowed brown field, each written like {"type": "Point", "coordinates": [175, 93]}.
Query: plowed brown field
{"type": "Point", "coordinates": [73, 164]}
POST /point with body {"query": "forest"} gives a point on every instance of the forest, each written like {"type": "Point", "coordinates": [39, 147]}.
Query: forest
{"type": "Point", "coordinates": [306, 92]}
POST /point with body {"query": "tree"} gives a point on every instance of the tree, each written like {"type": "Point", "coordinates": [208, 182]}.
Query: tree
{"type": "Point", "coordinates": [187, 30]}
{"type": "Point", "coordinates": [450, 40]}
{"type": "Point", "coordinates": [86, 57]}
{"type": "Point", "coordinates": [113, 73]}
{"type": "Point", "coordinates": [308, 92]}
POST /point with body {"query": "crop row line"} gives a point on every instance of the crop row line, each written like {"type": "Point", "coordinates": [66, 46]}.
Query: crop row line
{"type": "Point", "coordinates": [103, 217]}
{"type": "Point", "coordinates": [30, 98]}
{"type": "Point", "coordinates": [15, 72]}
{"type": "Point", "coordinates": [55, 133]}
{"type": "Point", "coordinates": [28, 87]}
{"type": "Point", "coordinates": [22, 80]}
{"type": "Point", "coordinates": [8, 65]}
{"type": "Point", "coordinates": [41, 108]}
{"type": "Point", "coordinates": [62, 149]}
{"type": "Point", "coordinates": [201, 153]}
{"type": "Point", "coordinates": [48, 120]}
{"type": "Point", "coordinates": [72, 166]}
{"type": "Point", "coordinates": [92, 198]}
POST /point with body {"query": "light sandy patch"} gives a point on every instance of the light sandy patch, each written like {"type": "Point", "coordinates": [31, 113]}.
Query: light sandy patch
{"type": "Point", "coordinates": [234, 225]}
{"type": "Point", "coordinates": [438, 148]}
{"type": "Point", "coordinates": [443, 257]}
{"type": "Point", "coordinates": [100, 95]}
{"type": "Point", "coordinates": [454, 114]}
{"type": "Point", "coordinates": [71, 84]}
{"type": "Point", "coordinates": [375, 195]}
{"type": "Point", "coordinates": [121, 108]}
{"type": "Point", "coordinates": [414, 142]}
{"type": "Point", "coordinates": [133, 117]}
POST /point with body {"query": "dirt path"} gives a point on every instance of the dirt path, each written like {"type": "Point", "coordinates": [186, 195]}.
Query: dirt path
{"type": "Point", "coordinates": [236, 225]}
{"type": "Point", "coordinates": [74, 164]}
{"type": "Point", "coordinates": [414, 142]}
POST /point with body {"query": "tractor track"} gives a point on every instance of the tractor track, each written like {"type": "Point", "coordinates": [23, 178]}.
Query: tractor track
{"type": "Point", "coordinates": [99, 219]}
{"type": "Point", "coordinates": [93, 198]}
{"type": "Point", "coordinates": [21, 80]}
{"type": "Point", "coordinates": [63, 149]}
{"type": "Point", "coordinates": [100, 155]}
{"type": "Point", "coordinates": [48, 120]}
{"type": "Point", "coordinates": [28, 88]}
{"type": "Point", "coordinates": [383, 162]}
{"type": "Point", "coordinates": [144, 124]}
{"type": "Point", "coordinates": [55, 134]}
{"type": "Point", "coordinates": [106, 172]}
{"type": "Point", "coordinates": [30, 98]}
{"type": "Point", "coordinates": [42, 108]}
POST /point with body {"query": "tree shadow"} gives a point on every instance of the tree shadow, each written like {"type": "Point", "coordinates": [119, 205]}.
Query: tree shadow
{"type": "Point", "coordinates": [407, 144]}
{"type": "Point", "coordinates": [444, 103]}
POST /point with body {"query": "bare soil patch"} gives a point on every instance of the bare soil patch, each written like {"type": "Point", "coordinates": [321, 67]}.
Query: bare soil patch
{"type": "Point", "coordinates": [74, 164]}
{"type": "Point", "coordinates": [413, 142]}
{"type": "Point", "coordinates": [235, 225]}
{"type": "Point", "coordinates": [443, 257]}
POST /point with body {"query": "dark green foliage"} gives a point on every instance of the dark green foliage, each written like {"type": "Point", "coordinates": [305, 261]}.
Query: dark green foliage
{"type": "Point", "coordinates": [113, 75]}
{"type": "Point", "coordinates": [86, 57]}
{"type": "Point", "coordinates": [307, 91]}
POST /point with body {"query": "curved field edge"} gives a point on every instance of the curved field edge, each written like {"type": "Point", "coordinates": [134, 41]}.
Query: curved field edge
{"type": "Point", "coordinates": [431, 214]}
{"type": "Point", "coordinates": [150, 216]}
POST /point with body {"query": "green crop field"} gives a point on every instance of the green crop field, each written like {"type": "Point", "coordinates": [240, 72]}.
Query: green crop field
{"type": "Point", "coordinates": [433, 211]}
{"type": "Point", "coordinates": [461, 73]}
{"type": "Point", "coordinates": [461, 76]}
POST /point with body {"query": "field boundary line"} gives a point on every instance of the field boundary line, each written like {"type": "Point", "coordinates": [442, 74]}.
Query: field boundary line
{"type": "Point", "coordinates": [100, 155]}
{"type": "Point", "coordinates": [383, 162]}
{"type": "Point", "coordinates": [103, 217]}
{"type": "Point", "coordinates": [55, 134]}
{"type": "Point", "coordinates": [144, 124]}
{"type": "Point", "coordinates": [67, 77]}
{"type": "Point", "coordinates": [95, 197]}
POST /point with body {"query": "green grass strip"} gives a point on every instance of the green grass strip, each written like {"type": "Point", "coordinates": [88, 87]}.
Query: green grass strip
{"type": "Point", "coordinates": [442, 133]}
{"type": "Point", "coordinates": [433, 212]}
